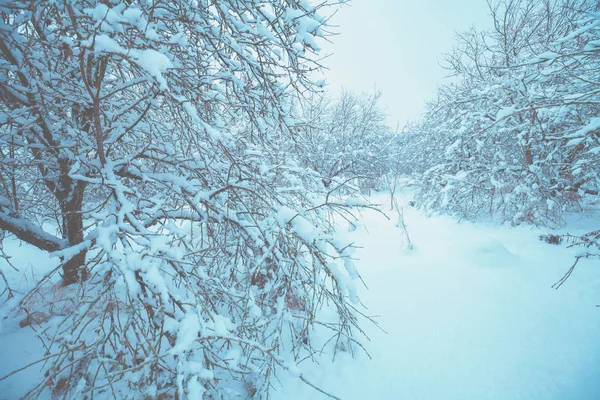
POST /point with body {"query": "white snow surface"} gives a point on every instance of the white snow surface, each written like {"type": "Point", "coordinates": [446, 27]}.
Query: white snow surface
{"type": "Point", "coordinates": [469, 314]}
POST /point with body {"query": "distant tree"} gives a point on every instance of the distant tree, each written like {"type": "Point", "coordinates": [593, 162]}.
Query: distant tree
{"type": "Point", "coordinates": [141, 144]}
{"type": "Point", "coordinates": [345, 138]}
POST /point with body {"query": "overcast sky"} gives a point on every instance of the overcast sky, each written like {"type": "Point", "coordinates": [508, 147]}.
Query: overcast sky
{"type": "Point", "coordinates": [396, 46]}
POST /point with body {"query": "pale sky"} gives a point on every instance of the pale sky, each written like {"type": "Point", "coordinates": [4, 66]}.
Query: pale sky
{"type": "Point", "coordinates": [396, 47]}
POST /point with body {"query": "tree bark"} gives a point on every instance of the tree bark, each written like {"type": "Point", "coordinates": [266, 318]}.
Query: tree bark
{"type": "Point", "coordinates": [74, 268]}
{"type": "Point", "coordinates": [71, 204]}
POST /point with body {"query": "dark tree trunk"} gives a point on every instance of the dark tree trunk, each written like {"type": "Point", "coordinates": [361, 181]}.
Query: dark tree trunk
{"type": "Point", "coordinates": [71, 206]}
{"type": "Point", "coordinates": [74, 268]}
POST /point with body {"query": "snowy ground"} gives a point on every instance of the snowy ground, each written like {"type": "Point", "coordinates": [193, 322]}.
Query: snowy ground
{"type": "Point", "coordinates": [469, 314]}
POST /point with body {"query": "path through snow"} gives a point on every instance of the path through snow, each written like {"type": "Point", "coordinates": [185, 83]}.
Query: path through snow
{"type": "Point", "coordinates": [469, 314]}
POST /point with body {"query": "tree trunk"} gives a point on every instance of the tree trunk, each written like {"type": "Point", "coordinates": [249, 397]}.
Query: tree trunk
{"type": "Point", "coordinates": [74, 268]}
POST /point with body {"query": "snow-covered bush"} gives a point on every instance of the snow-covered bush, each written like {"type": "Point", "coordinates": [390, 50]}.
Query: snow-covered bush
{"type": "Point", "coordinates": [515, 135]}
{"type": "Point", "coordinates": [345, 138]}
{"type": "Point", "coordinates": [144, 145]}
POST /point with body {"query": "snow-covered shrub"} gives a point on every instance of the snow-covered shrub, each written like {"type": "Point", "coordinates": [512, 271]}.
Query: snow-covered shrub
{"type": "Point", "coordinates": [345, 138]}
{"type": "Point", "coordinates": [515, 135]}
{"type": "Point", "coordinates": [146, 145]}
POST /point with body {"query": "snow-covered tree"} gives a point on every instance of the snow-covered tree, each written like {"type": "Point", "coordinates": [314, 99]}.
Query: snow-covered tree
{"type": "Point", "coordinates": [141, 143]}
{"type": "Point", "coordinates": [513, 135]}
{"type": "Point", "coordinates": [344, 138]}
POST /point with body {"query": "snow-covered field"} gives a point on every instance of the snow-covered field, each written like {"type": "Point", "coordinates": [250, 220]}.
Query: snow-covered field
{"type": "Point", "coordinates": [468, 313]}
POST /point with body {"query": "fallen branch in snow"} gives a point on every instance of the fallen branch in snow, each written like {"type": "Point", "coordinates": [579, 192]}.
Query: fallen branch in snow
{"type": "Point", "coordinates": [568, 273]}
{"type": "Point", "coordinates": [303, 379]}
{"type": "Point", "coordinates": [570, 270]}
{"type": "Point", "coordinates": [590, 239]}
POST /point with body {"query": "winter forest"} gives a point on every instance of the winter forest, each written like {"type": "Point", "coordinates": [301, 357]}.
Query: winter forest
{"type": "Point", "coordinates": [189, 210]}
